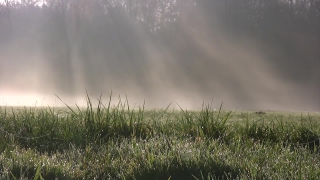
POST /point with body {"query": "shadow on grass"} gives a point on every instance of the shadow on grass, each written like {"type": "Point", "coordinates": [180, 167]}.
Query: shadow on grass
{"type": "Point", "coordinates": [27, 172]}
{"type": "Point", "coordinates": [181, 170]}
{"type": "Point", "coordinates": [306, 138]}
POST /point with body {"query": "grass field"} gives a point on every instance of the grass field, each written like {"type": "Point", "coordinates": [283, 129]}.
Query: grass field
{"type": "Point", "coordinates": [116, 142]}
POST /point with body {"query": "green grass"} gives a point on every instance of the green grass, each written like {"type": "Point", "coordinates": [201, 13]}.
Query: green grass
{"type": "Point", "coordinates": [116, 142]}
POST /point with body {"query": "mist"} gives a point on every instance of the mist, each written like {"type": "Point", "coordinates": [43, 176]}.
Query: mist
{"type": "Point", "coordinates": [250, 56]}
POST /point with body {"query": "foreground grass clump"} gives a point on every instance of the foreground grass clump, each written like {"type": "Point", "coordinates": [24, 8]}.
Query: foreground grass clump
{"type": "Point", "coordinates": [116, 142]}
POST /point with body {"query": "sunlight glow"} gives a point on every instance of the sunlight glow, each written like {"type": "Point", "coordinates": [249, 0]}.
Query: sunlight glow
{"type": "Point", "coordinates": [37, 100]}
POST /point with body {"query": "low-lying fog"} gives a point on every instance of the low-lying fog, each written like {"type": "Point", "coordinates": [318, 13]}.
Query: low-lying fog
{"type": "Point", "coordinates": [251, 56]}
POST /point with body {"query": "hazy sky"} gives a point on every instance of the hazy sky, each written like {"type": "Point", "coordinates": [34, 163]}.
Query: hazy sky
{"type": "Point", "coordinates": [39, 2]}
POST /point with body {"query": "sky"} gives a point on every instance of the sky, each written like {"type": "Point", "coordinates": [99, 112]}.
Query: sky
{"type": "Point", "coordinates": [40, 2]}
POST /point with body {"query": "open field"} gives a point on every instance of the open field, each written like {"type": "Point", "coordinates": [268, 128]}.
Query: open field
{"type": "Point", "coordinates": [116, 142]}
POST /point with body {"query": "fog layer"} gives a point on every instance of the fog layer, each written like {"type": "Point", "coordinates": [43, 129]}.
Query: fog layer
{"type": "Point", "coordinates": [253, 55]}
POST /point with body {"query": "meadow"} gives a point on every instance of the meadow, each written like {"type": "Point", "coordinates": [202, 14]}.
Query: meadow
{"type": "Point", "coordinates": [103, 141]}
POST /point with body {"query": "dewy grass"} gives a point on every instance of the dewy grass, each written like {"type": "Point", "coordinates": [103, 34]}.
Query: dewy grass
{"type": "Point", "coordinates": [117, 142]}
